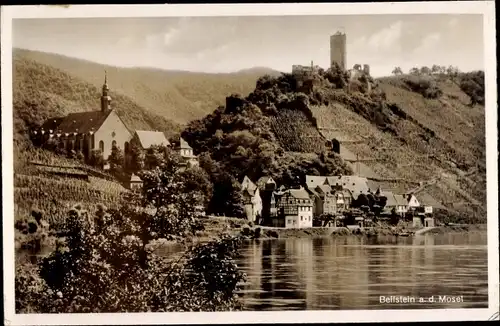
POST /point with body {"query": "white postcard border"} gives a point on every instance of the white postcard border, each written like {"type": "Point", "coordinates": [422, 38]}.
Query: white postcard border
{"type": "Point", "coordinates": [446, 7]}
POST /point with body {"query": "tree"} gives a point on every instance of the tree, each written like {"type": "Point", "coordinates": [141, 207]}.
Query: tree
{"type": "Point", "coordinates": [116, 159]}
{"type": "Point", "coordinates": [425, 70]}
{"type": "Point", "coordinates": [415, 71]}
{"type": "Point", "coordinates": [154, 156]}
{"type": "Point", "coordinates": [472, 84]}
{"type": "Point", "coordinates": [435, 69]}
{"type": "Point", "coordinates": [397, 71]}
{"type": "Point", "coordinates": [96, 158]}
{"type": "Point", "coordinates": [137, 157]}
{"type": "Point", "coordinates": [107, 262]}
{"type": "Point", "coordinates": [197, 179]}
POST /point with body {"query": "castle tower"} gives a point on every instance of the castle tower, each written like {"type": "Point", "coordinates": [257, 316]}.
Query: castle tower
{"type": "Point", "coordinates": [105, 98]}
{"type": "Point", "coordinates": [338, 51]}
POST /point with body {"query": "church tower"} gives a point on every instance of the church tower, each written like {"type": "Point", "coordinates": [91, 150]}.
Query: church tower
{"type": "Point", "coordinates": [105, 98]}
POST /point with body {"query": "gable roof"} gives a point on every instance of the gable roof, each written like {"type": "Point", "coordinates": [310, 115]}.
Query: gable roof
{"type": "Point", "coordinates": [149, 138]}
{"type": "Point", "coordinates": [52, 124]}
{"type": "Point", "coordinates": [135, 178]}
{"type": "Point", "coordinates": [400, 200]}
{"type": "Point", "coordinates": [248, 184]}
{"type": "Point", "coordinates": [323, 189]}
{"type": "Point", "coordinates": [355, 184]}
{"type": "Point", "coordinates": [261, 183]}
{"type": "Point", "coordinates": [391, 201]}
{"type": "Point", "coordinates": [184, 144]}
{"type": "Point", "coordinates": [83, 122]}
{"type": "Point", "coordinates": [312, 181]}
{"type": "Point", "coordinates": [299, 193]}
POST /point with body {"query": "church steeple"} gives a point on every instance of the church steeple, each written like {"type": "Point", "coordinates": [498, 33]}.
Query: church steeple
{"type": "Point", "coordinates": [105, 98]}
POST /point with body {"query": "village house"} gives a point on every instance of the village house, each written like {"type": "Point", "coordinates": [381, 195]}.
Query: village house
{"type": "Point", "coordinates": [144, 139]}
{"type": "Point", "coordinates": [423, 215]}
{"type": "Point", "coordinates": [326, 202]}
{"type": "Point", "coordinates": [252, 201]}
{"type": "Point", "coordinates": [135, 182]}
{"type": "Point", "coordinates": [412, 202]}
{"type": "Point", "coordinates": [267, 186]}
{"type": "Point", "coordinates": [396, 203]}
{"type": "Point", "coordinates": [88, 131]}
{"type": "Point", "coordinates": [295, 209]}
{"type": "Point", "coordinates": [342, 189]}
{"type": "Point", "coordinates": [186, 153]}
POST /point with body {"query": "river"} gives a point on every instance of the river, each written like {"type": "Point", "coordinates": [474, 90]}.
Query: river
{"type": "Point", "coordinates": [353, 272]}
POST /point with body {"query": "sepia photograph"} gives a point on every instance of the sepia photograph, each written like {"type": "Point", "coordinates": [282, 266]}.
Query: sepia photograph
{"type": "Point", "coordinates": [321, 160]}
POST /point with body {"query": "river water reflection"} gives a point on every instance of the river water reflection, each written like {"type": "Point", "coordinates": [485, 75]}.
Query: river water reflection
{"type": "Point", "coordinates": [353, 272]}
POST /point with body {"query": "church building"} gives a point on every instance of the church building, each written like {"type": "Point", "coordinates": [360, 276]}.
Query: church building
{"type": "Point", "coordinates": [87, 131]}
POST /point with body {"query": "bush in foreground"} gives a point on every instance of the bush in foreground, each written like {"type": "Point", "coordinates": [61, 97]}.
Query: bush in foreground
{"type": "Point", "coordinates": [105, 264]}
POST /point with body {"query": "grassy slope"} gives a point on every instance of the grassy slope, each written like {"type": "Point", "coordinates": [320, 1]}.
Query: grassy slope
{"type": "Point", "coordinates": [42, 91]}
{"type": "Point", "coordinates": [459, 131]}
{"type": "Point", "coordinates": [176, 95]}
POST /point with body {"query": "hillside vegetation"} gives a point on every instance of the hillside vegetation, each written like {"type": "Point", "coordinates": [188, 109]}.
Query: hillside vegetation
{"type": "Point", "coordinates": [428, 139]}
{"type": "Point", "coordinates": [179, 96]}
{"type": "Point", "coordinates": [41, 92]}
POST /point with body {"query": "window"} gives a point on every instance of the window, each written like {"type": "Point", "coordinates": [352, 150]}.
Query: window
{"type": "Point", "coordinates": [113, 144]}
{"type": "Point", "coordinates": [289, 221]}
{"type": "Point", "coordinates": [101, 146]}
{"type": "Point", "coordinates": [302, 218]}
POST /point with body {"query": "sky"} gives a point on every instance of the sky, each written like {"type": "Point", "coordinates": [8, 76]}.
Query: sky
{"type": "Point", "coordinates": [227, 44]}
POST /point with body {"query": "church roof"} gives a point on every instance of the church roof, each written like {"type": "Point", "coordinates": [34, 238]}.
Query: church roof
{"type": "Point", "coordinates": [83, 122]}
{"type": "Point", "coordinates": [52, 124]}
{"type": "Point", "coordinates": [150, 138]}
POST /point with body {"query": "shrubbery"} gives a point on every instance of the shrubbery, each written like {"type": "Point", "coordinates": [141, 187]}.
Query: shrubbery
{"type": "Point", "coordinates": [472, 84]}
{"type": "Point", "coordinates": [34, 232]}
{"type": "Point", "coordinates": [424, 85]}
{"type": "Point", "coordinates": [104, 263]}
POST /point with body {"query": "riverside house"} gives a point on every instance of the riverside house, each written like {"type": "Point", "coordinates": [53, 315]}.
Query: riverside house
{"type": "Point", "coordinates": [295, 209]}
{"type": "Point", "coordinates": [396, 203]}
{"type": "Point", "coordinates": [267, 187]}
{"type": "Point", "coordinates": [252, 201]}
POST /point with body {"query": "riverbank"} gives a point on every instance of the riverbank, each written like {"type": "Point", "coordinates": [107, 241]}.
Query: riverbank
{"type": "Point", "coordinates": [217, 225]}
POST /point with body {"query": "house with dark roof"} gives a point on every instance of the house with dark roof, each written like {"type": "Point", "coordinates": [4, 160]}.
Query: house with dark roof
{"type": "Point", "coordinates": [252, 201]}
{"type": "Point", "coordinates": [326, 200]}
{"type": "Point", "coordinates": [295, 208]}
{"type": "Point", "coordinates": [88, 131]}
{"type": "Point", "coordinates": [267, 186]}
{"type": "Point", "coordinates": [355, 184]}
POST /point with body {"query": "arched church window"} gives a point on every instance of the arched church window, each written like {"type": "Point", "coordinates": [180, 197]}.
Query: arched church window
{"type": "Point", "coordinates": [101, 146]}
{"type": "Point", "coordinates": [113, 144]}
